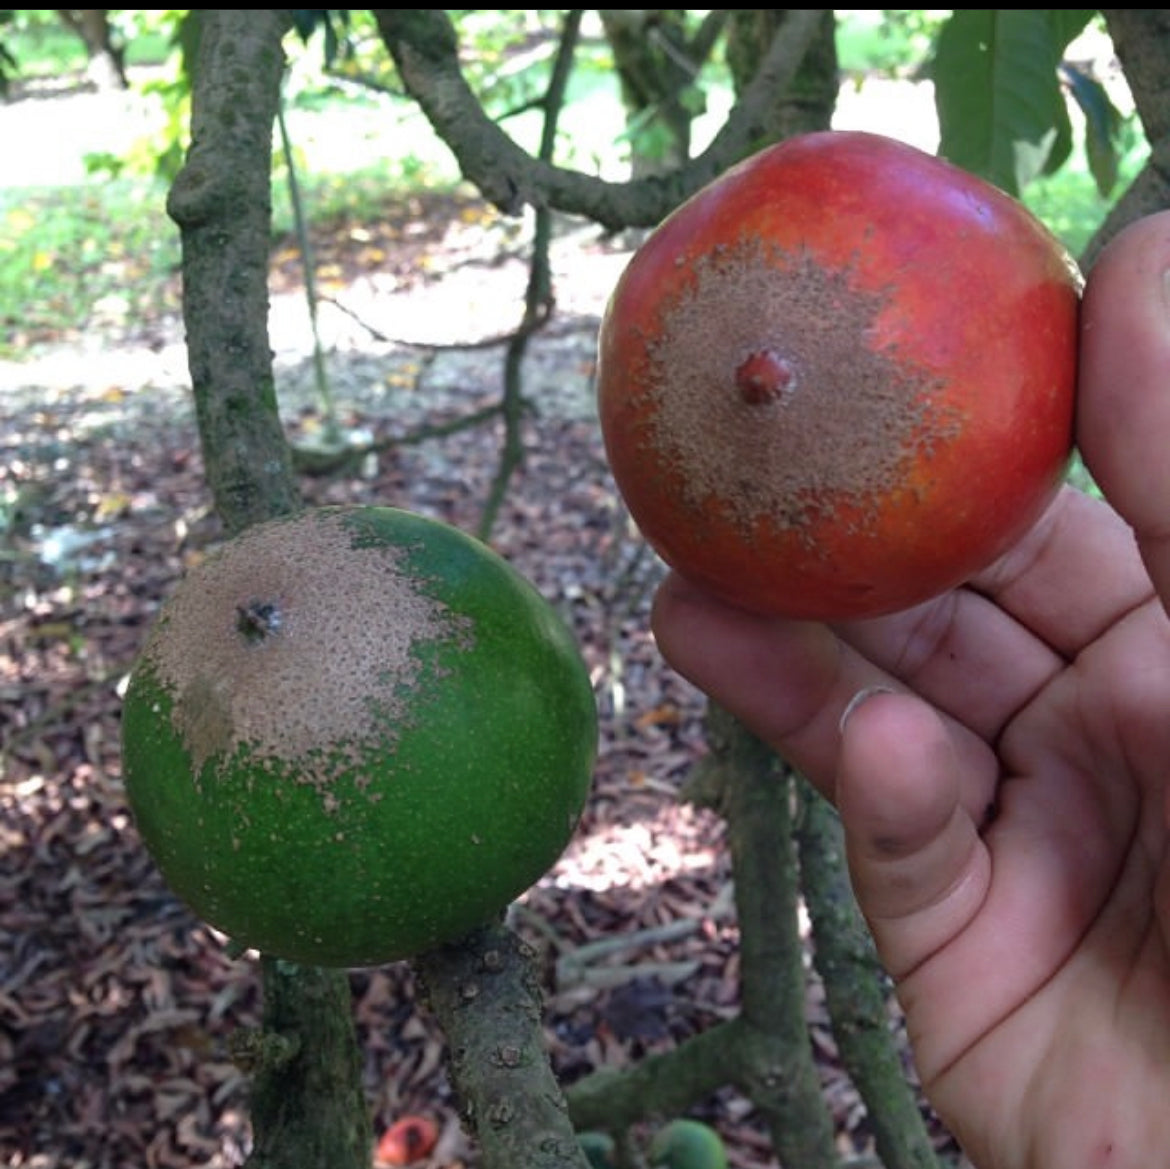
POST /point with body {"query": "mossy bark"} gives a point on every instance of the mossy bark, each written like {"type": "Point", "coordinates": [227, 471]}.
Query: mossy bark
{"type": "Point", "coordinates": [486, 992]}
{"type": "Point", "coordinates": [808, 103]}
{"type": "Point", "coordinates": [308, 1109]}
{"type": "Point", "coordinates": [661, 1085]}
{"type": "Point", "coordinates": [222, 202]}
{"type": "Point", "coordinates": [657, 66]}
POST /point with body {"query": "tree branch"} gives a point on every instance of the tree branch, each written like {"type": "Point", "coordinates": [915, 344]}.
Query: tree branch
{"type": "Point", "coordinates": [485, 994]}
{"type": "Point", "coordinates": [424, 46]}
{"type": "Point", "coordinates": [308, 1107]}
{"type": "Point", "coordinates": [844, 957]}
{"type": "Point", "coordinates": [538, 292]}
{"type": "Point", "coordinates": [1139, 38]}
{"type": "Point", "coordinates": [222, 203]}
{"type": "Point", "coordinates": [778, 1072]}
{"type": "Point", "coordinates": [663, 1084]}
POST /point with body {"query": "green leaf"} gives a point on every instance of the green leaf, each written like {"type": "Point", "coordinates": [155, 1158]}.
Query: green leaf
{"type": "Point", "coordinates": [1068, 24]}
{"type": "Point", "coordinates": [1001, 110]}
{"type": "Point", "coordinates": [1103, 121]}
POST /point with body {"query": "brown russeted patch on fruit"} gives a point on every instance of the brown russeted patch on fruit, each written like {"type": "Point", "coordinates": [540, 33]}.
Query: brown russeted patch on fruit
{"type": "Point", "coordinates": [299, 593]}
{"type": "Point", "coordinates": [354, 734]}
{"type": "Point", "coordinates": [839, 429]}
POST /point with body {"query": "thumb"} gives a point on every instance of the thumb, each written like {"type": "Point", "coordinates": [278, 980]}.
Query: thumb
{"type": "Point", "coordinates": [1123, 408]}
{"type": "Point", "coordinates": [918, 867]}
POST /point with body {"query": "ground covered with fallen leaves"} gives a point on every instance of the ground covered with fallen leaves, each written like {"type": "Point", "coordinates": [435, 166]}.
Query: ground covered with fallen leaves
{"type": "Point", "coordinates": [115, 1003]}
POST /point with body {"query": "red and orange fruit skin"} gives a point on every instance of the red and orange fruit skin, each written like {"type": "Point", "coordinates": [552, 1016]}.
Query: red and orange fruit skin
{"type": "Point", "coordinates": [840, 379]}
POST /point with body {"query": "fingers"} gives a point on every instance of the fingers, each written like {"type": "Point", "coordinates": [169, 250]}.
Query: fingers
{"type": "Point", "coordinates": [1123, 427]}
{"type": "Point", "coordinates": [790, 682]}
{"type": "Point", "coordinates": [1075, 573]}
{"type": "Point", "coordinates": [981, 653]}
{"type": "Point", "coordinates": [919, 868]}
{"type": "Point", "coordinates": [962, 653]}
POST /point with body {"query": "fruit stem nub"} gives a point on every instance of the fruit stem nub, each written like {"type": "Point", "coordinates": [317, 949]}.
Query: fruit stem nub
{"type": "Point", "coordinates": [257, 620]}
{"type": "Point", "coordinates": [763, 377]}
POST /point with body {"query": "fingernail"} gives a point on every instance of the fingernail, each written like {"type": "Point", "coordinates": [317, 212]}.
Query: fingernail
{"type": "Point", "coordinates": [857, 699]}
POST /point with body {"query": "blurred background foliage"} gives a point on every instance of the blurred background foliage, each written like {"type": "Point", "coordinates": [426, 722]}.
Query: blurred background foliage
{"type": "Point", "coordinates": [1067, 141]}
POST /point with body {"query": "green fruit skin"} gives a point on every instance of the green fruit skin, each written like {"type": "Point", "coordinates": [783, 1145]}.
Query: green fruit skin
{"type": "Point", "coordinates": [431, 833]}
{"type": "Point", "coordinates": [598, 1148]}
{"type": "Point", "coordinates": [688, 1144]}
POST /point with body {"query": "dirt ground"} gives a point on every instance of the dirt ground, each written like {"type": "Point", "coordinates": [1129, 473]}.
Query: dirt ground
{"type": "Point", "coordinates": [115, 1004]}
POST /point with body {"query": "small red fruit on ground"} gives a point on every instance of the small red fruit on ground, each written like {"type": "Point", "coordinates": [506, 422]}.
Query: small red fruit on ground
{"type": "Point", "coordinates": [406, 1141]}
{"type": "Point", "coordinates": [839, 380]}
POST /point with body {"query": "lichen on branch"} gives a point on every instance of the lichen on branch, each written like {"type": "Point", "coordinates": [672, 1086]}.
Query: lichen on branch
{"type": "Point", "coordinates": [486, 994]}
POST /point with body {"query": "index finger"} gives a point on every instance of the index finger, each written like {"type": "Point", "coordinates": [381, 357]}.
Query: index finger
{"type": "Point", "coordinates": [791, 682]}
{"type": "Point", "coordinates": [981, 653]}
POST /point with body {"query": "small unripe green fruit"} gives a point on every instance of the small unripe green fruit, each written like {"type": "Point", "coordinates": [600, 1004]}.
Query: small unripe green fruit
{"type": "Point", "coordinates": [687, 1144]}
{"type": "Point", "coordinates": [354, 734]}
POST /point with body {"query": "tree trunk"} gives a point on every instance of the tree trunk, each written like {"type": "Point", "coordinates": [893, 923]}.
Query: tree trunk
{"type": "Point", "coordinates": [808, 103]}
{"type": "Point", "coordinates": [1140, 36]}
{"type": "Point", "coordinates": [107, 57]}
{"type": "Point", "coordinates": [308, 1107]}
{"type": "Point", "coordinates": [652, 58]}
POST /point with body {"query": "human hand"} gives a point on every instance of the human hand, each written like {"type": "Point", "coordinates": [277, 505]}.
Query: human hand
{"type": "Point", "coordinates": [1006, 808]}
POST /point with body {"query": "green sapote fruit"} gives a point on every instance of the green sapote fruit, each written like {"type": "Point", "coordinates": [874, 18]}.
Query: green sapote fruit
{"type": "Point", "coordinates": [356, 733]}
{"type": "Point", "coordinates": [599, 1149]}
{"type": "Point", "coordinates": [687, 1144]}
